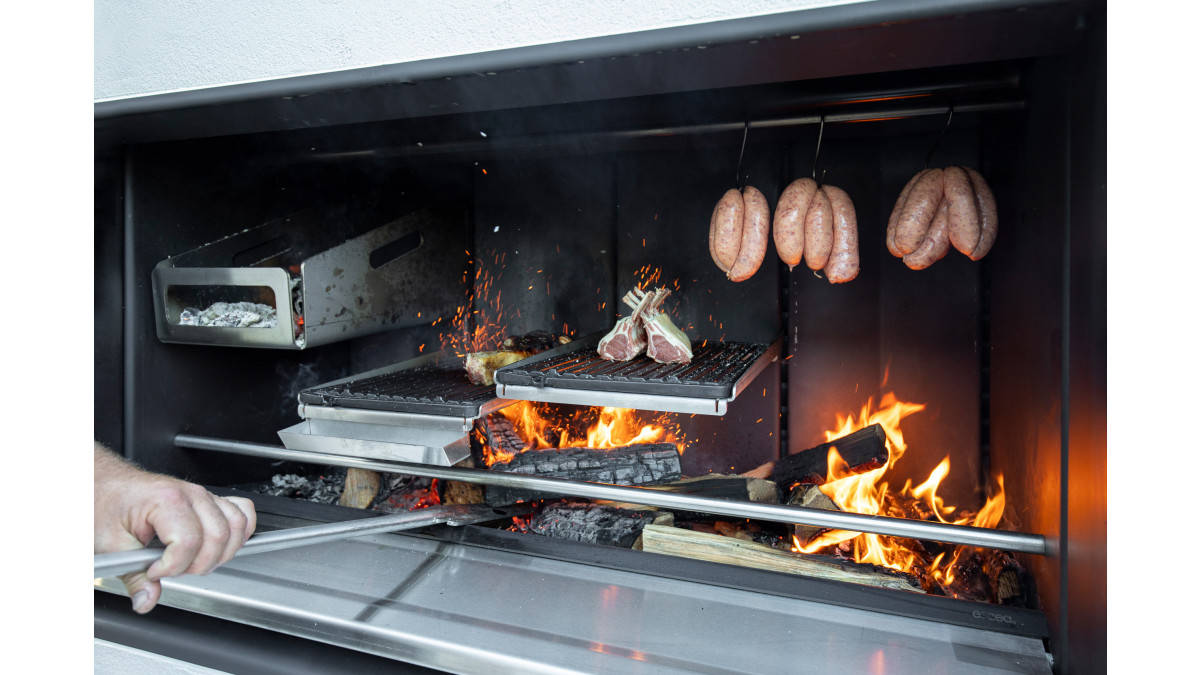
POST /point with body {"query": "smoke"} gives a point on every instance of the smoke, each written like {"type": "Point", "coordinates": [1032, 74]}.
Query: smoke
{"type": "Point", "coordinates": [296, 378]}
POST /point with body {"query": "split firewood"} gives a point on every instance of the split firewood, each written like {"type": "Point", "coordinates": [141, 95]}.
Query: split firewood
{"type": "Point", "coordinates": [643, 464]}
{"type": "Point", "coordinates": [1010, 581]}
{"type": "Point", "coordinates": [458, 492]}
{"type": "Point", "coordinates": [362, 485]}
{"type": "Point", "coordinates": [733, 551]}
{"type": "Point", "coordinates": [863, 450]}
{"type": "Point", "coordinates": [725, 487]}
{"type": "Point", "coordinates": [809, 496]}
{"type": "Point", "coordinates": [709, 485]}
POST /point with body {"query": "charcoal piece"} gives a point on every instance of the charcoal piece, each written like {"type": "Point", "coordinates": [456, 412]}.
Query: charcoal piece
{"type": "Point", "coordinates": [645, 464]}
{"type": "Point", "coordinates": [582, 521]}
{"type": "Point", "coordinates": [863, 450]}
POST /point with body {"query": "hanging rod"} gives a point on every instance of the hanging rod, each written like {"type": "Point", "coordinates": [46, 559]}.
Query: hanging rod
{"type": "Point", "coordinates": [855, 522]}
{"type": "Point", "coordinates": [930, 106]}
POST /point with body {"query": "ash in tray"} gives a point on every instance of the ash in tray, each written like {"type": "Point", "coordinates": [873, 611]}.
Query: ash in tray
{"type": "Point", "coordinates": [231, 314]}
{"type": "Point", "coordinates": [325, 488]}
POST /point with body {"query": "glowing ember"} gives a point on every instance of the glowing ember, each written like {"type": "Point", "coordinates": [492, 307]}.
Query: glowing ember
{"type": "Point", "coordinates": [868, 493]}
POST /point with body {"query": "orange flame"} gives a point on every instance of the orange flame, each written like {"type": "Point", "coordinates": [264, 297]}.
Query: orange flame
{"type": "Point", "coordinates": [544, 426]}
{"type": "Point", "coordinates": [868, 493]}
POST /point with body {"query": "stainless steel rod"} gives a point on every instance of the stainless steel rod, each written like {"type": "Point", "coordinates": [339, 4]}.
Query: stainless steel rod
{"type": "Point", "coordinates": [601, 138]}
{"type": "Point", "coordinates": [126, 562]}
{"type": "Point", "coordinates": [855, 522]}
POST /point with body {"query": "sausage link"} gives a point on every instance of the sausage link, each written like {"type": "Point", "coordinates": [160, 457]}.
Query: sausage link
{"type": "Point", "coordinates": [788, 229]}
{"type": "Point", "coordinates": [756, 231]}
{"type": "Point", "coordinates": [843, 259]}
{"type": "Point", "coordinates": [818, 231]}
{"type": "Point", "coordinates": [987, 213]}
{"type": "Point", "coordinates": [919, 210]}
{"type": "Point", "coordinates": [937, 241]}
{"type": "Point", "coordinates": [895, 217]}
{"type": "Point", "coordinates": [725, 229]}
{"type": "Point", "coordinates": [961, 209]}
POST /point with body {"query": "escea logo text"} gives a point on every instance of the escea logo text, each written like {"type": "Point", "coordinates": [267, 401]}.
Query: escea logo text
{"type": "Point", "coordinates": [1001, 618]}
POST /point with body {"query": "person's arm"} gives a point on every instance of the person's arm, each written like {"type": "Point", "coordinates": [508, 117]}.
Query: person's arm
{"type": "Point", "coordinates": [132, 506]}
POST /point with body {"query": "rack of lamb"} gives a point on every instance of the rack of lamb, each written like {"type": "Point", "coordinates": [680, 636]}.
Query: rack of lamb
{"type": "Point", "coordinates": [647, 328]}
{"type": "Point", "coordinates": [627, 339]}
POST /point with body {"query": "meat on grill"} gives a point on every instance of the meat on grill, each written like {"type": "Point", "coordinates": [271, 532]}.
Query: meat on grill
{"type": "Point", "coordinates": [664, 342]}
{"type": "Point", "coordinates": [627, 339]}
{"type": "Point", "coordinates": [481, 366]}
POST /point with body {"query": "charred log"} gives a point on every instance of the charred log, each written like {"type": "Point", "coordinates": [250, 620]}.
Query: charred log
{"type": "Point", "coordinates": [591, 523]}
{"type": "Point", "coordinates": [500, 436]}
{"type": "Point", "coordinates": [863, 450]}
{"type": "Point", "coordinates": [647, 464]}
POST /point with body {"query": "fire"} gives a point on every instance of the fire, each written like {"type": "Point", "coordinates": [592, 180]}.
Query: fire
{"type": "Point", "coordinates": [543, 426]}
{"type": "Point", "coordinates": [868, 493]}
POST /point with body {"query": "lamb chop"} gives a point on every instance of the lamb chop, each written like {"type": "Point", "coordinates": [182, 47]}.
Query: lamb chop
{"type": "Point", "coordinates": [627, 339]}
{"type": "Point", "coordinates": [664, 342]}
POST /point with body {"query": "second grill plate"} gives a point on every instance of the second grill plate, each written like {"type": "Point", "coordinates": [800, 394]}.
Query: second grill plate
{"type": "Point", "coordinates": [575, 373]}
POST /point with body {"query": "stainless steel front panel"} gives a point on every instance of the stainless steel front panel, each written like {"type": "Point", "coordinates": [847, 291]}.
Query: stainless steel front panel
{"type": "Point", "coordinates": [466, 609]}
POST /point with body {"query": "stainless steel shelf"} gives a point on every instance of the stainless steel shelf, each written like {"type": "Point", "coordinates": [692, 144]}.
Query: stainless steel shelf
{"type": "Point", "coordinates": [469, 609]}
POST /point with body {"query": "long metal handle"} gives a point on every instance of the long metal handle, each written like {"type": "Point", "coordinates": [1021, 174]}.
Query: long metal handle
{"type": "Point", "coordinates": [125, 562]}
{"type": "Point", "coordinates": [855, 522]}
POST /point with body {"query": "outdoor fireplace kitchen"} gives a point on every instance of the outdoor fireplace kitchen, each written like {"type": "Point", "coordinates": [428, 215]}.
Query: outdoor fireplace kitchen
{"type": "Point", "coordinates": [487, 297]}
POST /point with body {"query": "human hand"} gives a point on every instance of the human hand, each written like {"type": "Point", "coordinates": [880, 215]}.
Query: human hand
{"type": "Point", "coordinates": [199, 529]}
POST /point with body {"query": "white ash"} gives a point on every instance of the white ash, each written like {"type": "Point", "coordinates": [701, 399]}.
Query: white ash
{"type": "Point", "coordinates": [325, 489]}
{"type": "Point", "coordinates": [231, 314]}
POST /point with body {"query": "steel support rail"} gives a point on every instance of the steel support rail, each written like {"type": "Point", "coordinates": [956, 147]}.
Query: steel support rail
{"type": "Point", "coordinates": [1021, 542]}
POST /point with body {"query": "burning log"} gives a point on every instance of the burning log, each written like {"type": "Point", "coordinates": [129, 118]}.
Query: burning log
{"type": "Point", "coordinates": [594, 524]}
{"type": "Point", "coordinates": [362, 485]}
{"type": "Point", "coordinates": [645, 464]}
{"type": "Point", "coordinates": [736, 551]}
{"type": "Point", "coordinates": [863, 450]}
{"type": "Point", "coordinates": [500, 437]}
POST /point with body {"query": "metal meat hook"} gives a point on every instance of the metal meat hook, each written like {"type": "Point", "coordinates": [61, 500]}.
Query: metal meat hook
{"type": "Point", "coordinates": [949, 117]}
{"type": "Point", "coordinates": [817, 154]}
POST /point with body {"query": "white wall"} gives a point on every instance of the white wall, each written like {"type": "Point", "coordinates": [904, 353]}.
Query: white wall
{"type": "Point", "coordinates": [153, 46]}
